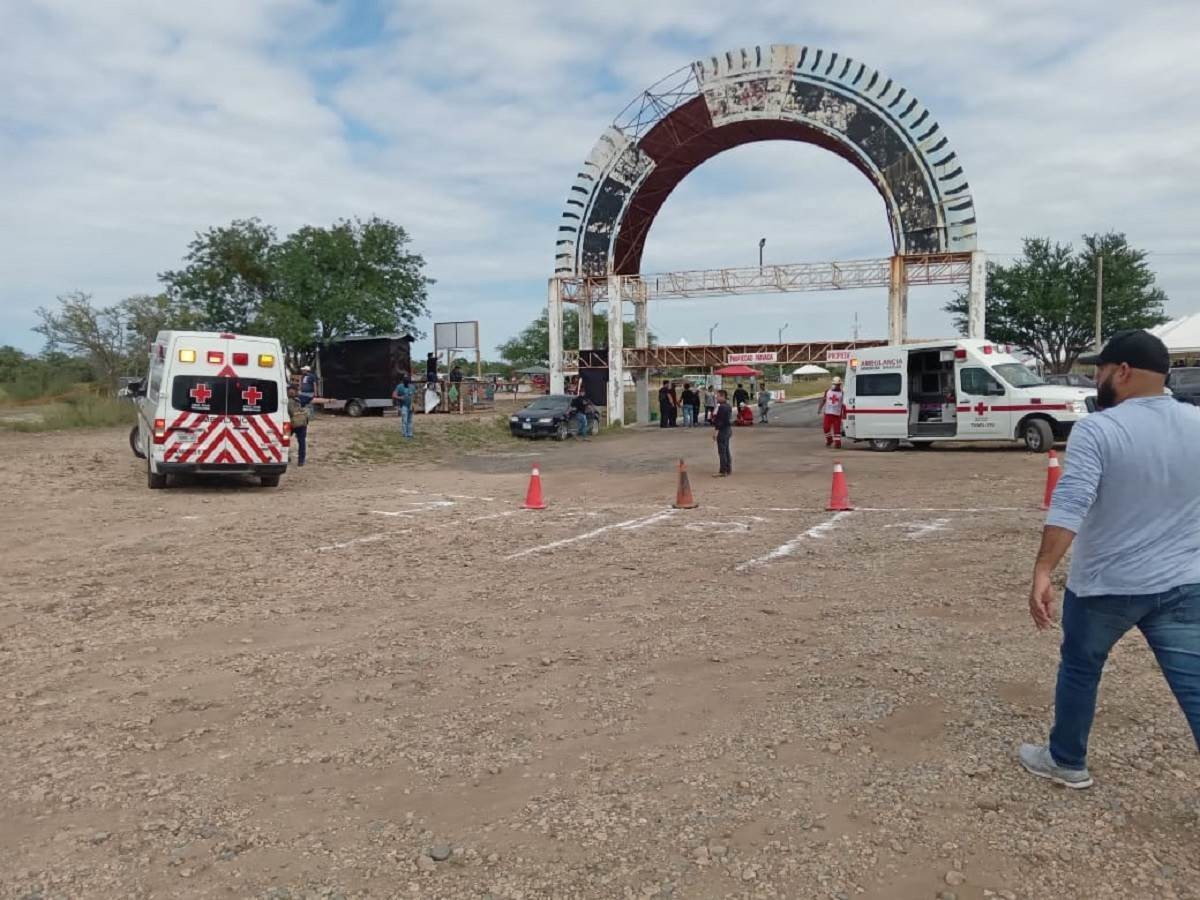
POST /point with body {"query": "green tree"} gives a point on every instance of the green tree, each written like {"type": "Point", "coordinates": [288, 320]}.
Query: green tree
{"type": "Point", "coordinates": [355, 277]}
{"type": "Point", "coordinates": [1045, 301]}
{"type": "Point", "coordinates": [12, 361]}
{"type": "Point", "coordinates": [146, 315]}
{"type": "Point", "coordinates": [228, 276]}
{"type": "Point", "coordinates": [97, 334]}
{"type": "Point", "coordinates": [532, 346]}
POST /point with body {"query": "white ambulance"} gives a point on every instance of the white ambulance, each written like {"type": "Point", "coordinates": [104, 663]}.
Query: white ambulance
{"type": "Point", "coordinates": [955, 390]}
{"type": "Point", "coordinates": [213, 404]}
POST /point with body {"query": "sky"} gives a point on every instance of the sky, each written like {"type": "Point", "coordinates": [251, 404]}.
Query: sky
{"type": "Point", "coordinates": [127, 126]}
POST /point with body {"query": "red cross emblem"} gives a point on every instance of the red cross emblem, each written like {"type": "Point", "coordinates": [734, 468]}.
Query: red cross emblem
{"type": "Point", "coordinates": [252, 395]}
{"type": "Point", "coordinates": [980, 409]}
{"type": "Point", "coordinates": [200, 393]}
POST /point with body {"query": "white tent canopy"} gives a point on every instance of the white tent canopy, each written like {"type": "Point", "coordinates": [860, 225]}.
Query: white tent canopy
{"type": "Point", "coordinates": [1180, 335]}
{"type": "Point", "coordinates": [810, 369]}
{"type": "Point", "coordinates": [682, 342]}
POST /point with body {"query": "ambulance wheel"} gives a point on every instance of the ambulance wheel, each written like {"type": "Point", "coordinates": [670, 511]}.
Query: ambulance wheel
{"type": "Point", "coordinates": [268, 480]}
{"type": "Point", "coordinates": [1037, 435]}
{"type": "Point", "coordinates": [355, 408]}
{"type": "Point", "coordinates": [884, 445]}
{"type": "Point", "coordinates": [134, 443]}
{"type": "Point", "coordinates": [156, 481]}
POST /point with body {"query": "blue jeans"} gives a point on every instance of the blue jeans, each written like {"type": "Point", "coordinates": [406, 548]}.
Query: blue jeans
{"type": "Point", "coordinates": [687, 417]}
{"type": "Point", "coordinates": [581, 420]}
{"type": "Point", "coordinates": [301, 436]}
{"type": "Point", "coordinates": [1091, 626]}
{"type": "Point", "coordinates": [405, 412]}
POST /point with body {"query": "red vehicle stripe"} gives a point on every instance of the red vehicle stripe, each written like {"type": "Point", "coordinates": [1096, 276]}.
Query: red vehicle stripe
{"type": "Point", "coordinates": [1030, 407]}
{"type": "Point", "coordinates": [240, 442]}
{"type": "Point", "coordinates": [199, 442]}
{"type": "Point", "coordinates": [879, 412]}
{"type": "Point", "coordinates": [266, 442]}
{"type": "Point", "coordinates": [274, 428]}
{"type": "Point", "coordinates": [216, 442]}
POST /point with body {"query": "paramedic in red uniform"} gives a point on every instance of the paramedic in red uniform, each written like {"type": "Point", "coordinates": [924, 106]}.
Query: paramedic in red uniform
{"type": "Point", "coordinates": [833, 408]}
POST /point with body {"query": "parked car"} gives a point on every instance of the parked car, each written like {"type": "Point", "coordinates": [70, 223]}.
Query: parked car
{"type": "Point", "coordinates": [1071, 379]}
{"type": "Point", "coordinates": [1184, 383]}
{"type": "Point", "coordinates": [550, 416]}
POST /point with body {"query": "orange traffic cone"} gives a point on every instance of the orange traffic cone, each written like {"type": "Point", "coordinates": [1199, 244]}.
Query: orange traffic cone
{"type": "Point", "coordinates": [683, 493]}
{"type": "Point", "coordinates": [533, 497]}
{"type": "Point", "coordinates": [1052, 472]}
{"type": "Point", "coordinates": [839, 497]}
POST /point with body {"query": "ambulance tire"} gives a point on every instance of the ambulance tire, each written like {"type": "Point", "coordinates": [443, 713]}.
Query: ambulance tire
{"type": "Point", "coordinates": [355, 408]}
{"type": "Point", "coordinates": [268, 480]}
{"type": "Point", "coordinates": [135, 444]}
{"type": "Point", "coordinates": [884, 445]}
{"type": "Point", "coordinates": [156, 481]}
{"type": "Point", "coordinates": [1038, 435]}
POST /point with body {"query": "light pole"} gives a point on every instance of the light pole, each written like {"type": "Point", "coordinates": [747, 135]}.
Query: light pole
{"type": "Point", "coordinates": [780, 341]}
{"type": "Point", "coordinates": [710, 332]}
{"type": "Point", "coordinates": [762, 242]}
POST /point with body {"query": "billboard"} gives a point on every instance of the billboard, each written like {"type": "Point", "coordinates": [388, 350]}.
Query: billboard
{"type": "Point", "coordinates": [838, 356]}
{"type": "Point", "coordinates": [766, 356]}
{"type": "Point", "coordinates": [455, 336]}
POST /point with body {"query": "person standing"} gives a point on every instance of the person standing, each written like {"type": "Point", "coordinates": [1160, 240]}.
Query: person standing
{"type": "Point", "coordinates": [764, 404]}
{"type": "Point", "coordinates": [403, 395]}
{"type": "Point", "coordinates": [298, 417]}
{"type": "Point", "coordinates": [579, 408]}
{"type": "Point", "coordinates": [722, 422]}
{"type": "Point", "coordinates": [664, 405]}
{"type": "Point", "coordinates": [674, 423]}
{"type": "Point", "coordinates": [710, 403]}
{"type": "Point", "coordinates": [308, 385]}
{"type": "Point", "coordinates": [833, 409]}
{"type": "Point", "coordinates": [696, 401]}
{"type": "Point", "coordinates": [1129, 501]}
{"type": "Point", "coordinates": [740, 395]}
{"type": "Point", "coordinates": [688, 400]}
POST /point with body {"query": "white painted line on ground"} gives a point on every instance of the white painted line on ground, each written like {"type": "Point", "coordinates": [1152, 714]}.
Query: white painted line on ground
{"type": "Point", "coordinates": [917, 530]}
{"type": "Point", "coordinates": [736, 525]}
{"type": "Point", "coordinates": [948, 509]}
{"type": "Point", "coordinates": [817, 532]}
{"type": "Point", "coordinates": [501, 515]}
{"type": "Point", "coordinates": [415, 507]}
{"type": "Point", "coordinates": [650, 520]}
{"type": "Point", "coordinates": [595, 532]}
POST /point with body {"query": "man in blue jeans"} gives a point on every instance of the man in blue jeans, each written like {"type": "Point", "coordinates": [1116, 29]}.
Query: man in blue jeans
{"type": "Point", "coordinates": [1130, 502]}
{"type": "Point", "coordinates": [403, 397]}
{"type": "Point", "coordinates": [579, 408]}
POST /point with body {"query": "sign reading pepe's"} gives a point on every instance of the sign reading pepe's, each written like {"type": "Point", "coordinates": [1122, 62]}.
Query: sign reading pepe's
{"type": "Point", "coordinates": [763, 357]}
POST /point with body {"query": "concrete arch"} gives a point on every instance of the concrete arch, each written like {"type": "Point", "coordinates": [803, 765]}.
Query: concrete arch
{"type": "Point", "coordinates": [783, 92]}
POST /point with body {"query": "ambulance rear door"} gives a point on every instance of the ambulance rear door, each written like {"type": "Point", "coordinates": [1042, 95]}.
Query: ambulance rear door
{"type": "Point", "coordinates": [255, 402]}
{"type": "Point", "coordinates": [879, 405]}
{"type": "Point", "coordinates": [197, 397]}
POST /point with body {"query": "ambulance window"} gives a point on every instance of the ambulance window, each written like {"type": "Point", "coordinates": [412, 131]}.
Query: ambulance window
{"type": "Point", "coordinates": [198, 393]}
{"type": "Point", "coordinates": [252, 395]}
{"type": "Point", "coordinates": [877, 385]}
{"type": "Point", "coordinates": [980, 383]}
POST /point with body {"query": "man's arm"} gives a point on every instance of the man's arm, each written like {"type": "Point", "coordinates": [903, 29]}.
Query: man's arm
{"type": "Point", "coordinates": [1074, 496]}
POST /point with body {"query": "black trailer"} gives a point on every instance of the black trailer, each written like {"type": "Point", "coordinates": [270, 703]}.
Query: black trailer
{"type": "Point", "coordinates": [359, 373]}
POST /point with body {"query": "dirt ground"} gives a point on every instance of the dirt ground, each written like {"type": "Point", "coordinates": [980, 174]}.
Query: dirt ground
{"type": "Point", "coordinates": [385, 679]}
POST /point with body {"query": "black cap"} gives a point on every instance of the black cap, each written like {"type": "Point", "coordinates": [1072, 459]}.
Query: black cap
{"type": "Point", "coordinates": [1138, 349]}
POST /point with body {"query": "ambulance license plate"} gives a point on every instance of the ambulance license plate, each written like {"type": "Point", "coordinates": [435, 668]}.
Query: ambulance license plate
{"type": "Point", "coordinates": [186, 437]}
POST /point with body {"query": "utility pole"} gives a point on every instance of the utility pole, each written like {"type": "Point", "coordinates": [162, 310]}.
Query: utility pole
{"type": "Point", "coordinates": [710, 332]}
{"type": "Point", "coordinates": [781, 331]}
{"type": "Point", "coordinates": [762, 242]}
{"type": "Point", "coordinates": [1099, 300]}
{"type": "Point", "coordinates": [856, 327]}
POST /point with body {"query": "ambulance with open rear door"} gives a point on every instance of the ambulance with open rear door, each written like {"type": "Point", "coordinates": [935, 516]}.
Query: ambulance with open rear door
{"type": "Point", "coordinates": [213, 404]}
{"type": "Point", "coordinates": [955, 390]}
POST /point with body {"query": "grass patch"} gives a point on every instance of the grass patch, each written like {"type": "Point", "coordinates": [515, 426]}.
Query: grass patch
{"type": "Point", "coordinates": [76, 412]}
{"type": "Point", "coordinates": [436, 438]}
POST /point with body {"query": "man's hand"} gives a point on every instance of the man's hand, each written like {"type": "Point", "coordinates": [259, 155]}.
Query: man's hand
{"type": "Point", "coordinates": [1041, 600]}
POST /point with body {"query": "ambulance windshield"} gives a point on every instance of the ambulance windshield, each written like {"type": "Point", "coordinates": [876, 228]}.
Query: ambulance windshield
{"type": "Point", "coordinates": [1017, 375]}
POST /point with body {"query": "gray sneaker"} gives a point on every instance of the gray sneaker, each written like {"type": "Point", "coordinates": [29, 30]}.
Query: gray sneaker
{"type": "Point", "coordinates": [1037, 761]}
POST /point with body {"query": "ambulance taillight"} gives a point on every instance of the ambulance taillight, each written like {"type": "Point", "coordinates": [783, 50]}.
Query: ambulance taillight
{"type": "Point", "coordinates": [215, 357]}
{"type": "Point", "coordinates": [266, 360]}
{"type": "Point", "coordinates": [241, 359]}
{"type": "Point", "coordinates": [287, 432]}
{"type": "Point", "coordinates": [160, 431]}
{"type": "Point", "coordinates": [960, 353]}
{"type": "Point", "coordinates": [987, 349]}
{"type": "Point", "coordinates": [187, 356]}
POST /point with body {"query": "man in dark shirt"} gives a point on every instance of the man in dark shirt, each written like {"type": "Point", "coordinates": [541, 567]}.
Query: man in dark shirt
{"type": "Point", "coordinates": [740, 396]}
{"type": "Point", "coordinates": [579, 409]}
{"type": "Point", "coordinates": [665, 405]}
{"type": "Point", "coordinates": [688, 399]}
{"type": "Point", "coordinates": [722, 421]}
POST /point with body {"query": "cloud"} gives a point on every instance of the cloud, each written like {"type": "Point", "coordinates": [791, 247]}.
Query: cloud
{"type": "Point", "coordinates": [128, 126]}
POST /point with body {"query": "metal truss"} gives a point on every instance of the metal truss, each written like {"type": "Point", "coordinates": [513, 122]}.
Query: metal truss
{"type": "Point", "coordinates": [923, 269]}
{"type": "Point", "coordinates": [716, 355]}
{"type": "Point", "coordinates": [657, 102]}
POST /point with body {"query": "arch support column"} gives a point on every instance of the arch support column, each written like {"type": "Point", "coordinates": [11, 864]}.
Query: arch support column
{"type": "Point", "coordinates": [554, 318]}
{"type": "Point", "coordinates": [897, 302]}
{"type": "Point", "coordinates": [616, 352]}
{"type": "Point", "coordinates": [641, 339]}
{"type": "Point", "coordinates": [977, 295]}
